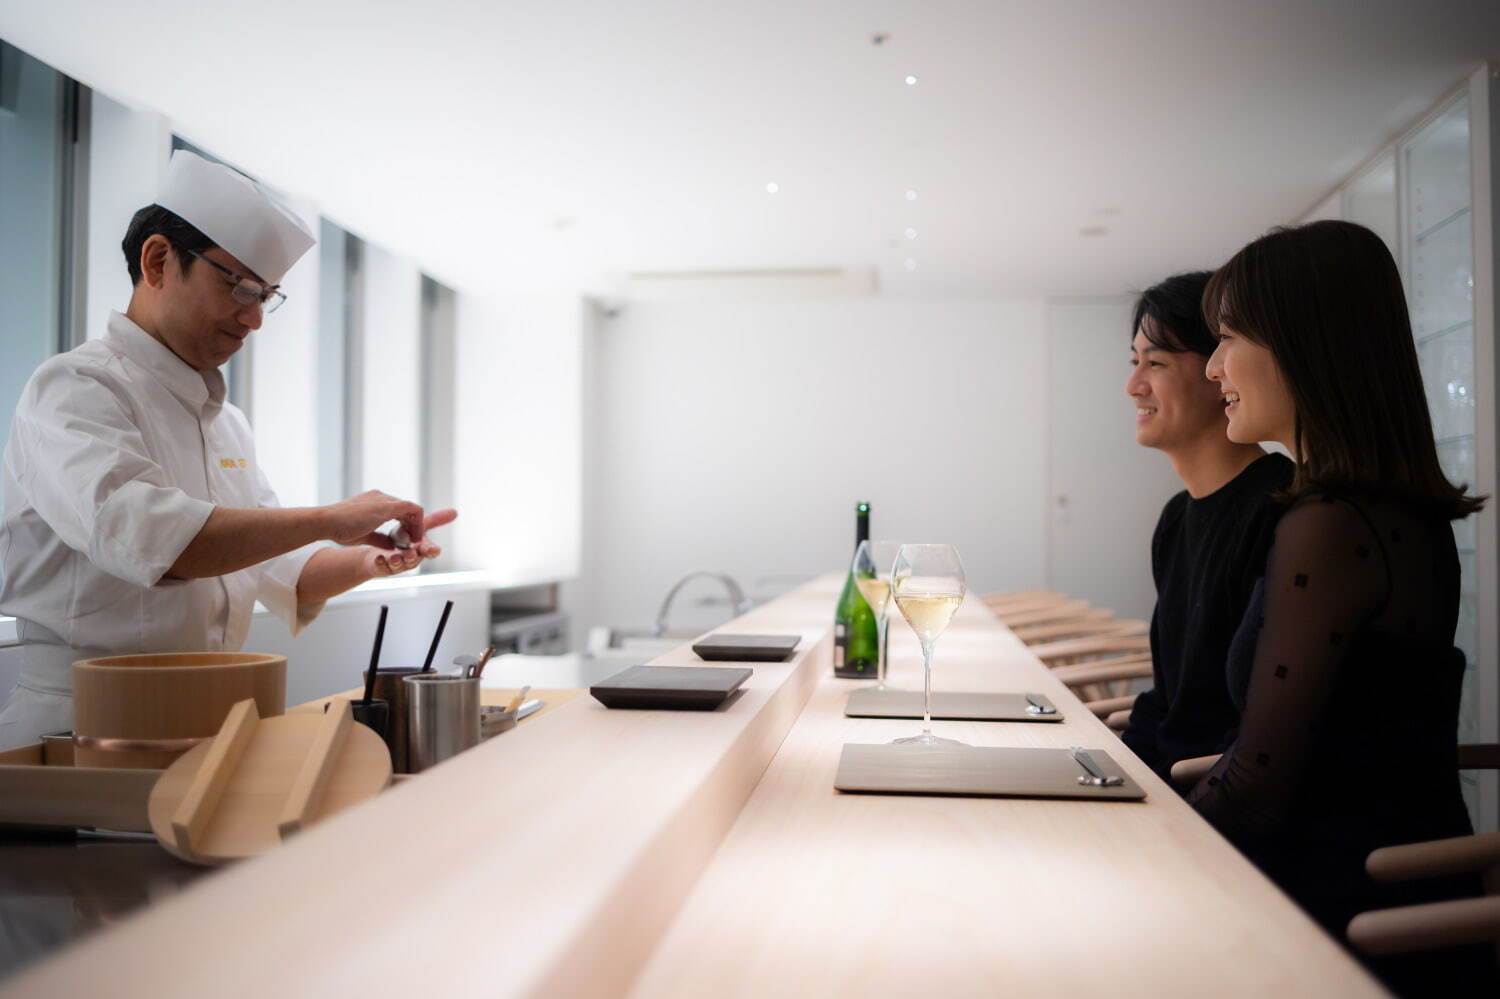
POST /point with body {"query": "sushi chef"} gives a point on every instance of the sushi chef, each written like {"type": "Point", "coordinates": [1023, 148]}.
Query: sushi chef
{"type": "Point", "coordinates": [136, 517]}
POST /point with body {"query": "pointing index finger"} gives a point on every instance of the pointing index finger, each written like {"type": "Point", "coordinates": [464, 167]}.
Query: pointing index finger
{"type": "Point", "coordinates": [411, 519]}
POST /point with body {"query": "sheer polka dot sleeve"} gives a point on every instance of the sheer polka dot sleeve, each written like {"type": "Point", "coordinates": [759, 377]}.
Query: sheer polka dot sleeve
{"type": "Point", "coordinates": [1327, 576]}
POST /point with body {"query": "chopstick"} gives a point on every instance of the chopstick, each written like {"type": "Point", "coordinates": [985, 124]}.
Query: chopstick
{"type": "Point", "coordinates": [437, 637]}
{"type": "Point", "coordinates": [375, 657]}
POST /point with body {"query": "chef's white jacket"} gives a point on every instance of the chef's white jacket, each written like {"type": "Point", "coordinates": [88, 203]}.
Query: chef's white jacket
{"type": "Point", "coordinates": [118, 453]}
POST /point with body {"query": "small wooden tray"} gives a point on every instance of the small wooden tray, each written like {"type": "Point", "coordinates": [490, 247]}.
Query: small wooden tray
{"type": "Point", "coordinates": [948, 705]}
{"type": "Point", "coordinates": [983, 771]}
{"type": "Point", "coordinates": [672, 688]}
{"type": "Point", "coordinates": [40, 786]}
{"type": "Point", "coordinates": [747, 648]}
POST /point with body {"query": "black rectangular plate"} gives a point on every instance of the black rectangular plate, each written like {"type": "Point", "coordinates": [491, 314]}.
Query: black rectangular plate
{"type": "Point", "coordinates": [747, 648]}
{"type": "Point", "coordinates": [675, 688]}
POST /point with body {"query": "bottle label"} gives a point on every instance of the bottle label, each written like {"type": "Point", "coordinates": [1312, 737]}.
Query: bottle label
{"type": "Point", "coordinates": [840, 640]}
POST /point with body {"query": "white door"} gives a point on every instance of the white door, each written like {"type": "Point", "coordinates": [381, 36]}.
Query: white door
{"type": "Point", "coordinates": [1105, 491]}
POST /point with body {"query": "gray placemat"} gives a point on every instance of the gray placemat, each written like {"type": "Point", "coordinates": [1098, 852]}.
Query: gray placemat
{"type": "Point", "coordinates": [987, 771]}
{"type": "Point", "coordinates": [948, 705]}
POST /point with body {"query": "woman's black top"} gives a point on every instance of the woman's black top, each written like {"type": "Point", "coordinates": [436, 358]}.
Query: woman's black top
{"type": "Point", "coordinates": [1206, 555]}
{"type": "Point", "coordinates": [1348, 685]}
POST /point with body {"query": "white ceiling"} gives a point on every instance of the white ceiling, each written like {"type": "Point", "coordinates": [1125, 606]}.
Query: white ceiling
{"type": "Point", "coordinates": [515, 147]}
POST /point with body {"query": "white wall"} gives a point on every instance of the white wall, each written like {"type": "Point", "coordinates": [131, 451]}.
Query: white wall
{"type": "Point", "coordinates": [1106, 491]}
{"type": "Point", "coordinates": [517, 437]}
{"type": "Point", "coordinates": [1329, 208]}
{"type": "Point", "coordinates": [390, 374]}
{"type": "Point", "coordinates": [739, 438]}
{"type": "Point", "coordinates": [284, 380]}
{"type": "Point", "coordinates": [128, 151]}
{"type": "Point", "coordinates": [331, 654]}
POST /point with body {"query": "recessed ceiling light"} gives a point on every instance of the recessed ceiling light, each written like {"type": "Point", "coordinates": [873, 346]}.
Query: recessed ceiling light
{"type": "Point", "coordinates": [911, 81]}
{"type": "Point", "coordinates": [911, 234]}
{"type": "Point", "coordinates": [772, 187]}
{"type": "Point", "coordinates": [1094, 230]}
{"type": "Point", "coordinates": [911, 195]}
{"type": "Point", "coordinates": [911, 264]}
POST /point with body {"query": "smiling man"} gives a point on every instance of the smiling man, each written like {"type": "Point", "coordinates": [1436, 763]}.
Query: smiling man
{"type": "Point", "coordinates": [136, 517]}
{"type": "Point", "coordinates": [1211, 541]}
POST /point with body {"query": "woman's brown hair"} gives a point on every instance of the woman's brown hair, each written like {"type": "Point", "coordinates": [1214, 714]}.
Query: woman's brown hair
{"type": "Point", "coordinates": [1325, 298]}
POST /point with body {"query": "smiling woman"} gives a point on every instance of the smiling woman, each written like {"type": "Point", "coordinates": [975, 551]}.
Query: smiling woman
{"type": "Point", "coordinates": [1245, 369]}
{"type": "Point", "coordinates": [1319, 353]}
{"type": "Point", "coordinates": [1361, 589]}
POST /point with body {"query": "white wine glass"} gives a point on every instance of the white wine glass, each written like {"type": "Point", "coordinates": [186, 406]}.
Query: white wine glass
{"type": "Point", "coordinates": [873, 561]}
{"type": "Point", "coordinates": [927, 583]}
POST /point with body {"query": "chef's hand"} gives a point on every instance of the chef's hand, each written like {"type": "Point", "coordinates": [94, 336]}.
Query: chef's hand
{"type": "Point", "coordinates": [353, 521]}
{"type": "Point", "coordinates": [388, 563]}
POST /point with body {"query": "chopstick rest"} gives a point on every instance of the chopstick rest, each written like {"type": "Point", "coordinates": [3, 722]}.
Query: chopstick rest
{"type": "Point", "coordinates": [1093, 775]}
{"type": "Point", "coordinates": [1038, 705]}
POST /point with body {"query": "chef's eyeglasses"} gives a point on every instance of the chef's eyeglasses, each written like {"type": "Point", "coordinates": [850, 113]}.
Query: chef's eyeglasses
{"type": "Point", "coordinates": [247, 291]}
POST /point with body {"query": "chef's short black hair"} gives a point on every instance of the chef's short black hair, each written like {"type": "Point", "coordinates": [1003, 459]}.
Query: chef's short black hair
{"type": "Point", "coordinates": [154, 220]}
{"type": "Point", "coordinates": [1175, 310]}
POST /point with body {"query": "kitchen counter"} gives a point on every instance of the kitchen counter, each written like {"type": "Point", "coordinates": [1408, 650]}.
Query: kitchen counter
{"type": "Point", "coordinates": [57, 888]}
{"type": "Point", "coordinates": [601, 852]}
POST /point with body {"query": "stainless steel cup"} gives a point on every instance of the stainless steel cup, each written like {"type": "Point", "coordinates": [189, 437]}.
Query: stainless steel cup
{"type": "Point", "coordinates": [388, 687]}
{"type": "Point", "coordinates": [442, 717]}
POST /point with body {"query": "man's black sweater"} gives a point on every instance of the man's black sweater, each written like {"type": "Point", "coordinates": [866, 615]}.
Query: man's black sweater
{"type": "Point", "coordinates": [1206, 555]}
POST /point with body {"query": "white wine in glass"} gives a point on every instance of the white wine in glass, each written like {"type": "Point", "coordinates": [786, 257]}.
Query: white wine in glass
{"type": "Point", "coordinates": [929, 613]}
{"type": "Point", "coordinates": [927, 583]}
{"type": "Point", "coordinates": [877, 592]}
{"type": "Point", "coordinates": [872, 575]}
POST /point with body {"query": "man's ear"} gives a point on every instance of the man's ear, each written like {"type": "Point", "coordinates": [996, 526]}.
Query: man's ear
{"type": "Point", "coordinates": [155, 253]}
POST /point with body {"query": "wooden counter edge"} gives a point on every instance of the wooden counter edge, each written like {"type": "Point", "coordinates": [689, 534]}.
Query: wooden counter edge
{"type": "Point", "coordinates": [599, 954]}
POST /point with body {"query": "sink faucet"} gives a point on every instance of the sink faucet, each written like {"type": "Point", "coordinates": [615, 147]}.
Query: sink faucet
{"type": "Point", "coordinates": [736, 596]}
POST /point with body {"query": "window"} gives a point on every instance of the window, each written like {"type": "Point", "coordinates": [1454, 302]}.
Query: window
{"type": "Point", "coordinates": [43, 164]}
{"type": "Point", "coordinates": [41, 153]}
{"type": "Point", "coordinates": [340, 311]}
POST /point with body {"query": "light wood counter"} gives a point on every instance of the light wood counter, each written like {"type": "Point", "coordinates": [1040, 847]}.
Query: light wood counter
{"type": "Point", "coordinates": [596, 852]}
{"type": "Point", "coordinates": [823, 894]}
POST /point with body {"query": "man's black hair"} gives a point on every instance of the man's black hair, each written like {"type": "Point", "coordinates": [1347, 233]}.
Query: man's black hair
{"type": "Point", "coordinates": [155, 220]}
{"type": "Point", "coordinates": [1175, 308]}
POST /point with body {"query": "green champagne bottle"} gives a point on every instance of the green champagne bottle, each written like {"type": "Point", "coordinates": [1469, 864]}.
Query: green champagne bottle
{"type": "Point", "coordinates": [856, 645]}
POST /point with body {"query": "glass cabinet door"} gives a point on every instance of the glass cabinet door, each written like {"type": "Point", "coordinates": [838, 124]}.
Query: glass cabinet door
{"type": "Point", "coordinates": [1370, 199]}
{"type": "Point", "coordinates": [1439, 265]}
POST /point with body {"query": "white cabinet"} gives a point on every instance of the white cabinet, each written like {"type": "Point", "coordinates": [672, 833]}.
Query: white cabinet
{"type": "Point", "coordinates": [1438, 259]}
{"type": "Point", "coordinates": [1431, 196]}
{"type": "Point", "coordinates": [1444, 170]}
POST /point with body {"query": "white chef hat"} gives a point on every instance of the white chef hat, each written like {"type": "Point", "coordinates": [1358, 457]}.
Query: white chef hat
{"type": "Point", "coordinates": [236, 213]}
